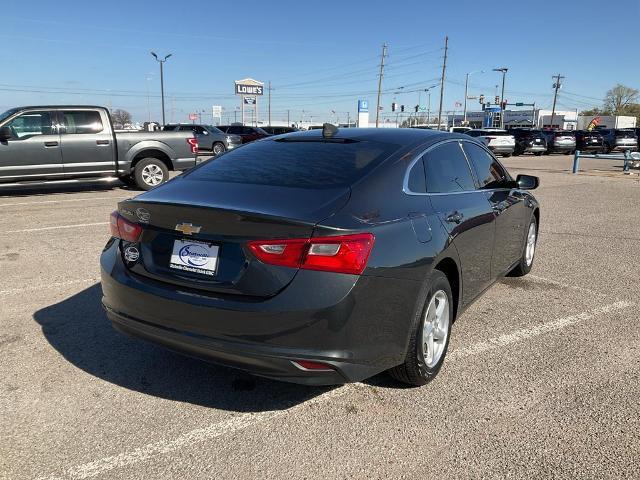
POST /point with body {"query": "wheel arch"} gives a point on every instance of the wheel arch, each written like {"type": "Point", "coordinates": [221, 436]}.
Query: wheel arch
{"type": "Point", "coordinates": [152, 153]}
{"type": "Point", "coordinates": [449, 267]}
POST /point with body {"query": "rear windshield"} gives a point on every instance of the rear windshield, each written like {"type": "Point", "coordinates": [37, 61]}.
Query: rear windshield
{"type": "Point", "coordinates": [305, 164]}
{"type": "Point", "coordinates": [625, 133]}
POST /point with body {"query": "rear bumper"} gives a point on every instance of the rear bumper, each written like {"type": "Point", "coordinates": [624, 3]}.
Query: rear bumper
{"type": "Point", "coordinates": [536, 148]}
{"type": "Point", "coordinates": [502, 148]}
{"type": "Point", "coordinates": [358, 325]}
{"type": "Point", "coordinates": [563, 148]}
{"type": "Point", "coordinates": [184, 163]}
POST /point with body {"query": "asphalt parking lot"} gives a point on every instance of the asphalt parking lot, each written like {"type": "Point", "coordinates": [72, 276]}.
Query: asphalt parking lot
{"type": "Point", "coordinates": [543, 377]}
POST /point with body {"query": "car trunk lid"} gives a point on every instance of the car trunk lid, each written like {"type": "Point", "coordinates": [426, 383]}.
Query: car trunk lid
{"type": "Point", "coordinates": [195, 233]}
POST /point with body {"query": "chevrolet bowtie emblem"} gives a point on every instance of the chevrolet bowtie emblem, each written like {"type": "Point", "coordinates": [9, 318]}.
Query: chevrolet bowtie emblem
{"type": "Point", "coordinates": [188, 228]}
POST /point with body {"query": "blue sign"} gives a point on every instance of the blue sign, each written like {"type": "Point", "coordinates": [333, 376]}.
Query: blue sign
{"type": "Point", "coordinates": [363, 106]}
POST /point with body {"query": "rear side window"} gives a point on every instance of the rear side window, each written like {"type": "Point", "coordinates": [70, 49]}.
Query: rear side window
{"type": "Point", "coordinates": [416, 181]}
{"type": "Point", "coordinates": [447, 170]}
{"type": "Point", "coordinates": [489, 172]}
{"type": "Point", "coordinates": [304, 164]}
{"type": "Point", "coordinates": [82, 122]}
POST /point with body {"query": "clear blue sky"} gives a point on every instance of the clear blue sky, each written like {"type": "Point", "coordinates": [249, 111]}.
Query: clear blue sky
{"type": "Point", "coordinates": [320, 56]}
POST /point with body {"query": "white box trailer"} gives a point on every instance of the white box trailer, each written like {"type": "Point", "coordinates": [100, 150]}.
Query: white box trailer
{"type": "Point", "coordinates": [607, 121]}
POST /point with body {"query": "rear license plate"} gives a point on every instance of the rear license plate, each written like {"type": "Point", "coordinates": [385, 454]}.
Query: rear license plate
{"type": "Point", "coordinates": [195, 257]}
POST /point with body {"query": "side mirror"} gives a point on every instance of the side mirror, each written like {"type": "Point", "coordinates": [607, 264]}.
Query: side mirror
{"type": "Point", "coordinates": [5, 134]}
{"type": "Point", "coordinates": [527, 182]}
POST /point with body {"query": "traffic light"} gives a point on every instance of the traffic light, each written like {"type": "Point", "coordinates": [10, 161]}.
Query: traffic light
{"type": "Point", "coordinates": [481, 100]}
{"type": "Point", "coordinates": [497, 100]}
{"type": "Point", "coordinates": [394, 105]}
{"type": "Point", "coordinates": [402, 108]}
{"type": "Point", "coordinates": [416, 108]}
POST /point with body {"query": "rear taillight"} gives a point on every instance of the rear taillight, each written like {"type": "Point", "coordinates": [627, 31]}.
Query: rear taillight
{"type": "Point", "coordinates": [123, 228]}
{"type": "Point", "coordinates": [340, 254]}
{"type": "Point", "coordinates": [193, 142]}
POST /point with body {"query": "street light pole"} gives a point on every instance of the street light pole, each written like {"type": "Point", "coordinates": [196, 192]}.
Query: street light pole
{"type": "Point", "coordinates": [504, 73]}
{"type": "Point", "coordinates": [161, 62]}
{"type": "Point", "coordinates": [466, 94]}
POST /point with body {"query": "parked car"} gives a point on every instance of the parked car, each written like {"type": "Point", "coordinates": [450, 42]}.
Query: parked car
{"type": "Point", "coordinates": [210, 138]}
{"type": "Point", "coordinates": [623, 139]}
{"type": "Point", "coordinates": [589, 141]}
{"type": "Point", "coordinates": [560, 141]}
{"type": "Point", "coordinates": [62, 142]}
{"type": "Point", "coordinates": [320, 257]}
{"type": "Point", "coordinates": [528, 141]}
{"type": "Point", "coordinates": [497, 140]}
{"type": "Point", "coordinates": [247, 134]}
{"type": "Point", "coordinates": [279, 130]}
{"type": "Point", "coordinates": [460, 129]}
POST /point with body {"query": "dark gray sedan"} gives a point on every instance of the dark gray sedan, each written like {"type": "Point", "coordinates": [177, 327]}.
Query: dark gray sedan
{"type": "Point", "coordinates": [210, 138]}
{"type": "Point", "coordinates": [320, 257]}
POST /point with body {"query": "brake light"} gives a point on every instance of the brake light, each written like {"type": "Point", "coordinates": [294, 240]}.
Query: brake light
{"type": "Point", "coordinates": [193, 142]}
{"type": "Point", "coordinates": [340, 254]}
{"type": "Point", "coordinates": [123, 228]}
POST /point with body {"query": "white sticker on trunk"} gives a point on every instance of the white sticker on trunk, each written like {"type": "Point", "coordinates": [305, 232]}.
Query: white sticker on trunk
{"type": "Point", "coordinates": [195, 257]}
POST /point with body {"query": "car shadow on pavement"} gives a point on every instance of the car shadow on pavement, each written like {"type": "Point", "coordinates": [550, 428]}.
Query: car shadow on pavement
{"type": "Point", "coordinates": [80, 331]}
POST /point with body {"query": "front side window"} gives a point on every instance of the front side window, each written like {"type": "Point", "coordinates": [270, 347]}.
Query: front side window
{"type": "Point", "coordinates": [31, 124]}
{"type": "Point", "coordinates": [447, 170]}
{"type": "Point", "coordinates": [489, 172]}
{"type": "Point", "coordinates": [82, 122]}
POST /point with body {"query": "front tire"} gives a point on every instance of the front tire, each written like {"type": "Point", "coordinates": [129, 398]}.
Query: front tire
{"type": "Point", "coordinates": [430, 333]}
{"type": "Point", "coordinates": [506, 155]}
{"type": "Point", "coordinates": [528, 252]}
{"type": "Point", "coordinates": [150, 172]}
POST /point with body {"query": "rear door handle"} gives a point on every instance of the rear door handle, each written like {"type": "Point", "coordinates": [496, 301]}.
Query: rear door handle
{"type": "Point", "coordinates": [455, 217]}
{"type": "Point", "coordinates": [51, 144]}
{"type": "Point", "coordinates": [102, 142]}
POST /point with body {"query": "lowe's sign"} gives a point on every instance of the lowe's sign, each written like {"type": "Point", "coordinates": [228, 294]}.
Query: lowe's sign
{"type": "Point", "coordinates": [249, 86]}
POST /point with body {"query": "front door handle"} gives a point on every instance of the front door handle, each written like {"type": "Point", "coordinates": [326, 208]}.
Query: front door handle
{"type": "Point", "coordinates": [51, 144]}
{"type": "Point", "coordinates": [102, 142]}
{"type": "Point", "coordinates": [455, 217]}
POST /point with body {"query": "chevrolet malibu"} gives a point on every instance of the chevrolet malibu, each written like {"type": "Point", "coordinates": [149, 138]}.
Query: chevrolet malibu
{"type": "Point", "coordinates": [320, 257]}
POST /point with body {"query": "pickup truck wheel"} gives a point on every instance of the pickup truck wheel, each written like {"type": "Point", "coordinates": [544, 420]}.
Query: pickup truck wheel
{"type": "Point", "coordinates": [218, 148]}
{"type": "Point", "coordinates": [150, 172]}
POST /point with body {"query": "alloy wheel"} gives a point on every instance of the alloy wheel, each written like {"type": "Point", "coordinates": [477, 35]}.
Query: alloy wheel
{"type": "Point", "coordinates": [435, 329]}
{"type": "Point", "coordinates": [152, 175]}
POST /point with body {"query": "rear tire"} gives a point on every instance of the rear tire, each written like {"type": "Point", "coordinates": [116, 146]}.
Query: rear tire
{"type": "Point", "coordinates": [150, 172]}
{"type": "Point", "coordinates": [539, 154]}
{"type": "Point", "coordinates": [506, 155]}
{"type": "Point", "coordinates": [528, 251]}
{"type": "Point", "coordinates": [430, 333]}
{"type": "Point", "coordinates": [218, 149]}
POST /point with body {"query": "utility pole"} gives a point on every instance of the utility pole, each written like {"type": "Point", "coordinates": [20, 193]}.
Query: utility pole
{"type": "Point", "coordinates": [558, 78]}
{"type": "Point", "coordinates": [269, 102]}
{"type": "Point", "coordinates": [384, 54]}
{"type": "Point", "coordinates": [444, 70]}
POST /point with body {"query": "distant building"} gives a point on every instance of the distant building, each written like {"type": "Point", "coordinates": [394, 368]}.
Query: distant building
{"type": "Point", "coordinates": [538, 118]}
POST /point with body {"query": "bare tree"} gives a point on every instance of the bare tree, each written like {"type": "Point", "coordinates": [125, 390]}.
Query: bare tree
{"type": "Point", "coordinates": [121, 118]}
{"type": "Point", "coordinates": [619, 98]}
